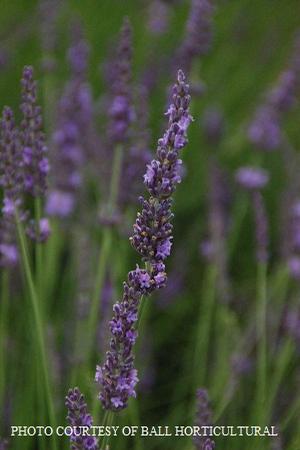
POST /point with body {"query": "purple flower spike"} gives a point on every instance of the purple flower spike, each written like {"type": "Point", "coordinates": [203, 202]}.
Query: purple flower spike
{"type": "Point", "coordinates": [208, 445]}
{"type": "Point", "coordinates": [198, 34]}
{"type": "Point", "coordinates": [265, 130]}
{"type": "Point", "coordinates": [11, 181]}
{"type": "Point", "coordinates": [203, 418]}
{"type": "Point", "coordinates": [36, 166]}
{"type": "Point", "coordinates": [252, 178]}
{"type": "Point", "coordinates": [158, 17]}
{"type": "Point", "coordinates": [78, 416]}
{"type": "Point", "coordinates": [121, 112]}
{"type": "Point", "coordinates": [11, 164]}
{"type": "Point", "coordinates": [152, 239]}
{"type": "Point", "coordinates": [70, 139]}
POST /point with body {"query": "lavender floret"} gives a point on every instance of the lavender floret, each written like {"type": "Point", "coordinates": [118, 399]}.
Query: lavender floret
{"type": "Point", "coordinates": [152, 239]}
{"type": "Point", "coordinates": [78, 416]}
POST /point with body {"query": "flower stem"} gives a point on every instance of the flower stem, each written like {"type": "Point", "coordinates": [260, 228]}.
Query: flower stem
{"type": "Point", "coordinates": [104, 250]}
{"type": "Point", "coordinates": [204, 325]}
{"type": "Point", "coordinates": [38, 247]}
{"type": "Point", "coordinates": [38, 323]}
{"type": "Point", "coordinates": [3, 330]}
{"type": "Point", "coordinates": [261, 373]}
{"type": "Point", "coordinates": [109, 416]}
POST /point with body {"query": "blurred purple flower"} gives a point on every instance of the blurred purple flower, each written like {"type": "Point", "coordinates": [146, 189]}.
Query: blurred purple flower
{"type": "Point", "coordinates": [241, 364]}
{"type": "Point", "coordinates": [158, 17]}
{"type": "Point", "coordinates": [292, 324]}
{"type": "Point", "coordinates": [11, 181]}
{"type": "Point", "coordinates": [32, 138]}
{"type": "Point", "coordinates": [203, 418]}
{"type": "Point", "coordinates": [139, 154]}
{"type": "Point", "coordinates": [265, 130]}
{"type": "Point", "coordinates": [48, 14]}
{"type": "Point", "coordinates": [152, 240]}
{"type": "Point", "coordinates": [213, 125]}
{"type": "Point", "coordinates": [70, 139]}
{"type": "Point", "coordinates": [3, 444]}
{"type": "Point", "coordinates": [121, 112]}
{"type": "Point", "coordinates": [251, 178]}
{"type": "Point", "coordinates": [198, 34]}
{"type": "Point", "coordinates": [294, 266]}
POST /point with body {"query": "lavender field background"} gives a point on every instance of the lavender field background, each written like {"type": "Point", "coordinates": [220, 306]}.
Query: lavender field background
{"type": "Point", "coordinates": [100, 102]}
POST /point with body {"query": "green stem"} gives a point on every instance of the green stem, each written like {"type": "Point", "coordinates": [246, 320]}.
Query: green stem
{"type": "Point", "coordinates": [134, 416]}
{"type": "Point", "coordinates": [104, 250]}
{"type": "Point", "coordinates": [239, 213]}
{"type": "Point", "coordinates": [109, 422]}
{"type": "Point", "coordinates": [261, 343]}
{"type": "Point", "coordinates": [282, 363]}
{"type": "Point", "coordinates": [204, 326]}
{"type": "Point", "coordinates": [3, 330]}
{"type": "Point", "coordinates": [38, 247]}
{"type": "Point", "coordinates": [38, 323]}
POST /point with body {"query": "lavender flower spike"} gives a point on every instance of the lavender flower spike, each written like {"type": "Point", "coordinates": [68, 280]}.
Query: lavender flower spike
{"type": "Point", "coordinates": [11, 180]}
{"type": "Point", "coordinates": [203, 418]}
{"type": "Point", "coordinates": [121, 112]}
{"type": "Point", "coordinates": [198, 36]}
{"type": "Point", "coordinates": [78, 416]}
{"type": "Point", "coordinates": [36, 164]}
{"type": "Point", "coordinates": [152, 239]}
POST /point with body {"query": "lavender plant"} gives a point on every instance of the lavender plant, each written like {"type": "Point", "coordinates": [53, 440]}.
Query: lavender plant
{"type": "Point", "coordinates": [152, 240]}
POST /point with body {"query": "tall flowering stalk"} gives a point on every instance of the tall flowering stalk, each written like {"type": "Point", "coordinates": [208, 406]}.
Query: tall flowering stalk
{"type": "Point", "coordinates": [152, 239]}
{"type": "Point", "coordinates": [29, 171]}
{"type": "Point", "coordinates": [120, 115]}
{"type": "Point", "coordinates": [253, 180]}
